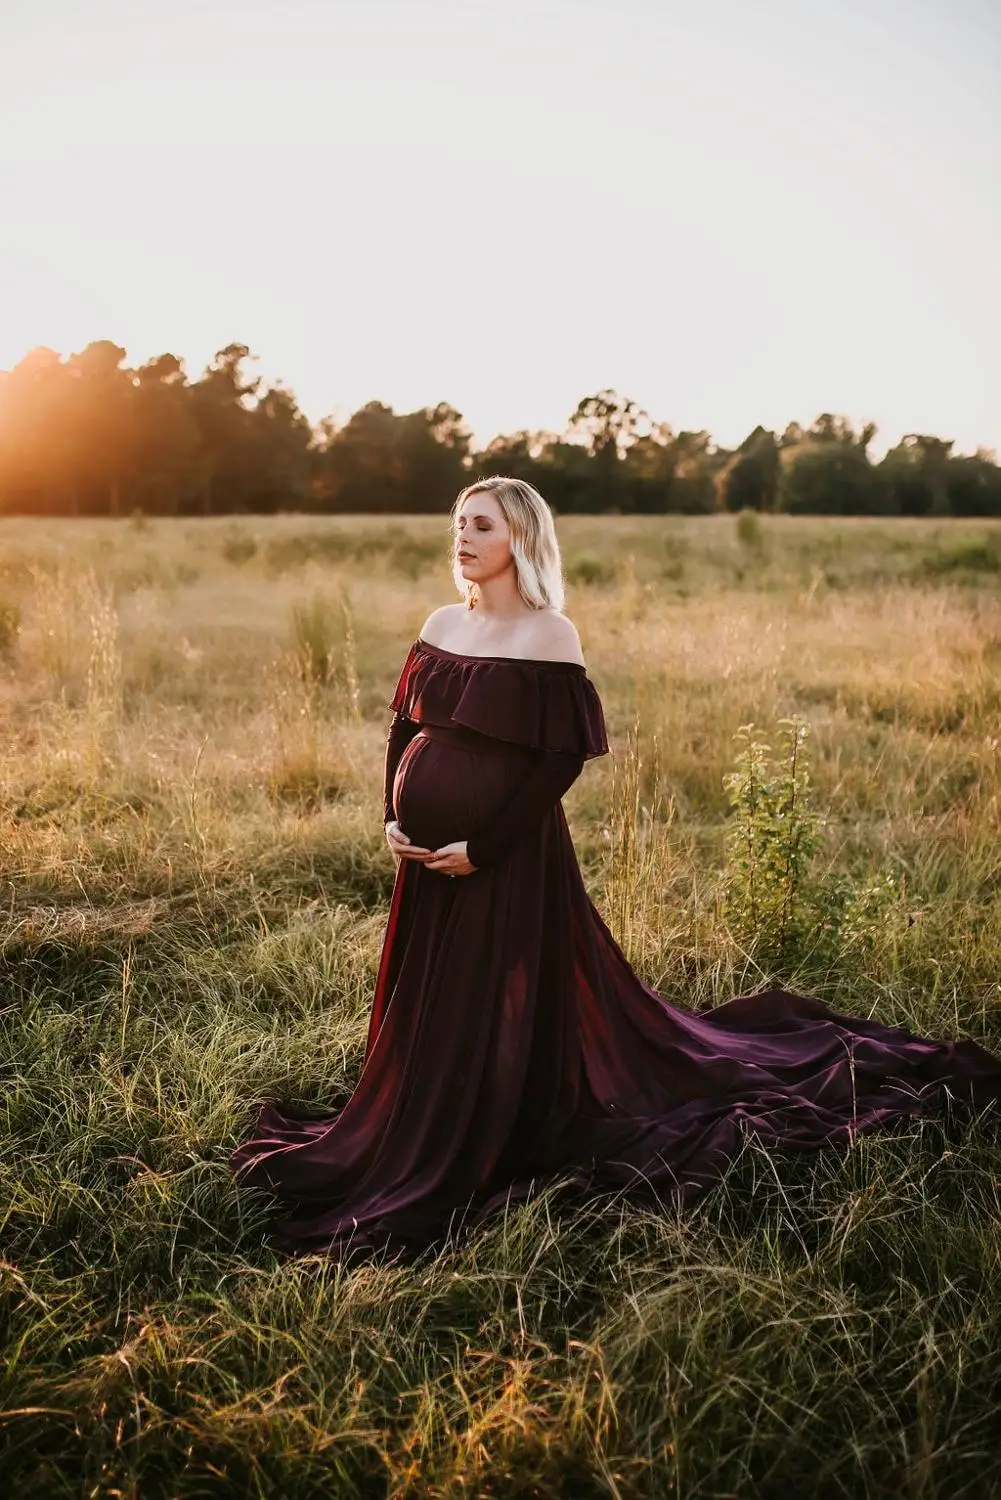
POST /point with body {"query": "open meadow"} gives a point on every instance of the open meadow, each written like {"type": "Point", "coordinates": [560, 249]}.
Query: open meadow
{"type": "Point", "coordinates": [195, 880]}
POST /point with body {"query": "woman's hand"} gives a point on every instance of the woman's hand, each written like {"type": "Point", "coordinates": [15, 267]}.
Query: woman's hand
{"type": "Point", "coordinates": [401, 845]}
{"type": "Point", "coordinates": [450, 859]}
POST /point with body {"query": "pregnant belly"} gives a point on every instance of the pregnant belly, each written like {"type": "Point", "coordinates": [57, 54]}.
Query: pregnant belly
{"type": "Point", "coordinates": [444, 793]}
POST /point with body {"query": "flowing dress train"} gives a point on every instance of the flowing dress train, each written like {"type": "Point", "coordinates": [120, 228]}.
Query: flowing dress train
{"type": "Point", "coordinates": [511, 1042]}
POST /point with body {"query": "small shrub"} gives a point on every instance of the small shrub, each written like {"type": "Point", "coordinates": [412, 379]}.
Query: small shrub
{"type": "Point", "coordinates": [587, 567]}
{"type": "Point", "coordinates": [848, 915]}
{"type": "Point", "coordinates": [771, 840]}
{"type": "Point", "coordinates": [750, 532]}
{"type": "Point", "coordinates": [678, 553]}
{"type": "Point", "coordinates": [325, 648]}
{"type": "Point", "coordinates": [239, 546]}
{"type": "Point", "coordinates": [287, 552]}
{"type": "Point", "coordinates": [774, 901]}
{"type": "Point", "coordinates": [10, 626]}
{"type": "Point", "coordinates": [411, 557]}
{"type": "Point", "coordinates": [966, 555]}
{"type": "Point", "coordinates": [397, 547]}
{"type": "Point", "coordinates": [316, 630]}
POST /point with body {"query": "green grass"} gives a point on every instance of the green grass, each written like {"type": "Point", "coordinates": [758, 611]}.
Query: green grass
{"type": "Point", "coordinates": [195, 887]}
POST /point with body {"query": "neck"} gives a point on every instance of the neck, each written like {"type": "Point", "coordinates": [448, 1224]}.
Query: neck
{"type": "Point", "coordinates": [499, 597]}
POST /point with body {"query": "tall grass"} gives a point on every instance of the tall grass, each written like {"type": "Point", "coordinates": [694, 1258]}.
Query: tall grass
{"type": "Point", "coordinates": [195, 886]}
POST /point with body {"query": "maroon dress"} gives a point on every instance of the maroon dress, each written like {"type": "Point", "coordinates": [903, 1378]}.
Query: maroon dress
{"type": "Point", "coordinates": [510, 1041]}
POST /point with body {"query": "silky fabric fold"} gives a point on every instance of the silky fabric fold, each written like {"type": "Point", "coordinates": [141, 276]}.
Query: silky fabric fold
{"type": "Point", "coordinates": [510, 1042]}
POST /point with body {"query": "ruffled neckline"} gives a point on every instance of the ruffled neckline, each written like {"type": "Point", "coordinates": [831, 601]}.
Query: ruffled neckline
{"type": "Point", "coordinates": [543, 705]}
{"type": "Point", "coordinates": [517, 661]}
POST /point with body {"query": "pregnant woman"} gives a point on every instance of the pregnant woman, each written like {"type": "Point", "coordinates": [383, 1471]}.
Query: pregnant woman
{"type": "Point", "coordinates": [510, 1041]}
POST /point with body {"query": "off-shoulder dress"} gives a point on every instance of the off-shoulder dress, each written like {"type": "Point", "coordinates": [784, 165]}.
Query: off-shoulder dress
{"type": "Point", "coordinates": [510, 1042]}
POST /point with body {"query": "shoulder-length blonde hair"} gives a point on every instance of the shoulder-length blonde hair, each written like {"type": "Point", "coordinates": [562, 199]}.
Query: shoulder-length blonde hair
{"type": "Point", "coordinates": [536, 552]}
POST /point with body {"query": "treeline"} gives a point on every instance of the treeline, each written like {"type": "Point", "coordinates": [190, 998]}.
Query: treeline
{"type": "Point", "coordinates": [88, 435]}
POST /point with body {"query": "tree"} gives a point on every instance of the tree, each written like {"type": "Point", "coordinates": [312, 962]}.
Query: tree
{"type": "Point", "coordinates": [829, 478]}
{"type": "Point", "coordinates": [974, 486]}
{"type": "Point", "coordinates": [567, 477]}
{"type": "Point", "coordinates": [168, 438]}
{"type": "Point", "coordinates": [693, 491]}
{"type": "Point", "coordinates": [280, 441]}
{"type": "Point", "coordinates": [649, 464]}
{"type": "Point", "coordinates": [516, 455]}
{"type": "Point", "coordinates": [102, 414]}
{"type": "Point", "coordinates": [89, 435]}
{"type": "Point", "coordinates": [915, 472]}
{"type": "Point", "coordinates": [37, 438]}
{"type": "Point", "coordinates": [432, 448]}
{"type": "Point", "coordinates": [359, 469]}
{"type": "Point", "coordinates": [608, 424]}
{"type": "Point", "coordinates": [749, 480]}
{"type": "Point", "coordinates": [607, 421]}
{"type": "Point", "coordinates": [219, 406]}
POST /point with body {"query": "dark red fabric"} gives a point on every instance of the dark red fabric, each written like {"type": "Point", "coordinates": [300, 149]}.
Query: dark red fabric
{"type": "Point", "coordinates": [564, 710]}
{"type": "Point", "coordinates": [543, 783]}
{"type": "Point", "coordinates": [510, 1041]}
{"type": "Point", "coordinates": [401, 732]}
{"type": "Point", "coordinates": [553, 774]}
{"type": "Point", "coordinates": [544, 705]}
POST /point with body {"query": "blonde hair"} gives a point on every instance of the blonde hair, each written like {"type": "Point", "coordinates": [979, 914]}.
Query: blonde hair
{"type": "Point", "coordinates": [536, 552]}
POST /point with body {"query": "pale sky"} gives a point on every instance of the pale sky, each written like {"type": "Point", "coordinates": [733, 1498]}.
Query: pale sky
{"type": "Point", "coordinates": [734, 211]}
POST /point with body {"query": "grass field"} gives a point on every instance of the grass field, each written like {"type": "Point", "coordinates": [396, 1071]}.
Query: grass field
{"type": "Point", "coordinates": [195, 884]}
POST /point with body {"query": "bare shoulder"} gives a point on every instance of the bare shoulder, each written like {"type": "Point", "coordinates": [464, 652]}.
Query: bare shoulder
{"type": "Point", "coordinates": [555, 638]}
{"type": "Point", "coordinates": [439, 622]}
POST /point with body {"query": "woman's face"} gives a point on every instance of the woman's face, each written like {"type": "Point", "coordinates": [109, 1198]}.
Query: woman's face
{"type": "Point", "coordinates": [482, 538]}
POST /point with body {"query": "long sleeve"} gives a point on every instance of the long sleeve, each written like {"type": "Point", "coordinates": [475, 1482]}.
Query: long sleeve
{"type": "Point", "coordinates": [543, 786]}
{"type": "Point", "coordinates": [401, 732]}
